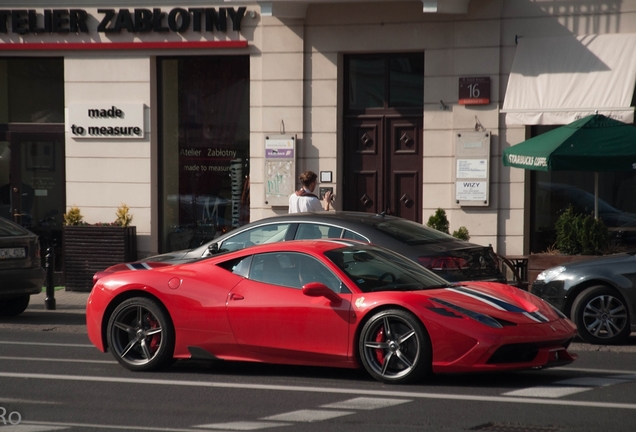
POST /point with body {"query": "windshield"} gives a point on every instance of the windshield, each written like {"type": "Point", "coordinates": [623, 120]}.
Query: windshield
{"type": "Point", "coordinates": [412, 233]}
{"type": "Point", "coordinates": [375, 269]}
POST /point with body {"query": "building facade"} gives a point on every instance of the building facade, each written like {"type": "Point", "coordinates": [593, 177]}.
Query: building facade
{"type": "Point", "coordinates": [200, 115]}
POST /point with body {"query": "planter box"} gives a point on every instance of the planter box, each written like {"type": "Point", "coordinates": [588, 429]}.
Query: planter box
{"type": "Point", "coordinates": [89, 249]}
{"type": "Point", "coordinates": [539, 262]}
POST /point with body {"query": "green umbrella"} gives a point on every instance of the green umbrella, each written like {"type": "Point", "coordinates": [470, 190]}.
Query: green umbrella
{"type": "Point", "coordinates": [593, 143]}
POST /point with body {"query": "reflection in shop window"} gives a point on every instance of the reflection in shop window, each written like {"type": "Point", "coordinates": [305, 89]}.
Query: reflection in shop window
{"type": "Point", "coordinates": [205, 148]}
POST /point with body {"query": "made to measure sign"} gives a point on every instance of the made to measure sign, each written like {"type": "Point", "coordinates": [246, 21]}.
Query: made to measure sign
{"type": "Point", "coordinates": [99, 120]}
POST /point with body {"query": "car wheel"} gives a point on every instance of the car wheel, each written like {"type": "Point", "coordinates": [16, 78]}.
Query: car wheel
{"type": "Point", "coordinates": [395, 348]}
{"type": "Point", "coordinates": [601, 316]}
{"type": "Point", "coordinates": [141, 335]}
{"type": "Point", "coordinates": [14, 306]}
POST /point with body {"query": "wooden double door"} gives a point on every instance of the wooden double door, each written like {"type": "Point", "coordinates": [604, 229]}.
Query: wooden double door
{"type": "Point", "coordinates": [383, 164]}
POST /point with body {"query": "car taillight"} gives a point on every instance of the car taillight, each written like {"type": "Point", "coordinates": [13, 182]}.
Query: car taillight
{"type": "Point", "coordinates": [444, 263]}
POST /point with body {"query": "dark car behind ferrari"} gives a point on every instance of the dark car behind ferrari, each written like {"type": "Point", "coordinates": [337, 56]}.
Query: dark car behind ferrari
{"type": "Point", "coordinates": [598, 294]}
{"type": "Point", "coordinates": [21, 273]}
{"type": "Point", "coordinates": [449, 257]}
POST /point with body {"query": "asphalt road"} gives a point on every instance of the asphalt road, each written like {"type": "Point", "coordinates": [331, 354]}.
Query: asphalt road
{"type": "Point", "coordinates": [51, 378]}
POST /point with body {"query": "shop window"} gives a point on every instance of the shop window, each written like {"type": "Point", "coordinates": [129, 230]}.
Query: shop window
{"type": "Point", "coordinates": [32, 90]}
{"type": "Point", "coordinates": [553, 192]}
{"type": "Point", "coordinates": [204, 148]}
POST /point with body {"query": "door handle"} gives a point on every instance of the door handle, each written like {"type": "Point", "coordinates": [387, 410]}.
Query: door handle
{"type": "Point", "coordinates": [234, 296]}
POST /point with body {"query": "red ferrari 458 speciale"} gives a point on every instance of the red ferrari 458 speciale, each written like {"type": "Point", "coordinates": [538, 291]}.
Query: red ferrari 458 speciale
{"type": "Point", "coordinates": [331, 303]}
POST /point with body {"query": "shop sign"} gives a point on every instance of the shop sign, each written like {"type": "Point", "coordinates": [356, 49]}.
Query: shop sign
{"type": "Point", "coordinates": [178, 20]}
{"type": "Point", "coordinates": [471, 191]}
{"type": "Point", "coordinates": [99, 120]}
{"type": "Point", "coordinates": [474, 91]}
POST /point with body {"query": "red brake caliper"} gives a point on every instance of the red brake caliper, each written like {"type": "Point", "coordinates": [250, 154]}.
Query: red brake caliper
{"type": "Point", "coordinates": [379, 352]}
{"type": "Point", "coordinates": [155, 339]}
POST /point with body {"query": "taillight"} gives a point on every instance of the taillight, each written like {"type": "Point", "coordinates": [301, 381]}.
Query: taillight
{"type": "Point", "coordinates": [444, 263]}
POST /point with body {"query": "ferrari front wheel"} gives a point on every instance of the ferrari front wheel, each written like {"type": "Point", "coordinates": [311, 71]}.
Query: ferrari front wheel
{"type": "Point", "coordinates": [395, 348]}
{"type": "Point", "coordinates": [141, 335]}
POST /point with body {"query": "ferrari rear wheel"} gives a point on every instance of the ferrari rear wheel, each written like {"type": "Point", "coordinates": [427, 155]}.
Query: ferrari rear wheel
{"type": "Point", "coordinates": [601, 316]}
{"type": "Point", "coordinates": [395, 348]}
{"type": "Point", "coordinates": [141, 335]}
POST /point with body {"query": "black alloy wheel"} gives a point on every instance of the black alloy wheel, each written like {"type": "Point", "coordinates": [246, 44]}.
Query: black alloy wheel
{"type": "Point", "coordinates": [395, 348]}
{"type": "Point", "coordinates": [140, 335]}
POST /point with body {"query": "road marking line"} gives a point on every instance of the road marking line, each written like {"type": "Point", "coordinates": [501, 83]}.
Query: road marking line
{"type": "Point", "coordinates": [308, 415]}
{"type": "Point", "coordinates": [547, 392]}
{"type": "Point", "coordinates": [28, 428]}
{"type": "Point", "coordinates": [591, 381]}
{"type": "Point", "coordinates": [46, 344]}
{"type": "Point", "coordinates": [28, 401]}
{"type": "Point", "coordinates": [385, 393]}
{"type": "Point", "coordinates": [609, 371]}
{"type": "Point", "coordinates": [242, 426]}
{"type": "Point", "coordinates": [568, 387]}
{"type": "Point", "coordinates": [364, 403]}
{"type": "Point", "coordinates": [57, 360]}
{"type": "Point", "coordinates": [93, 426]}
{"type": "Point", "coordinates": [626, 377]}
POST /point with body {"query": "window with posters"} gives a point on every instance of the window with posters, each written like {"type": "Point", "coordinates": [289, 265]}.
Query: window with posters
{"type": "Point", "coordinates": [204, 124]}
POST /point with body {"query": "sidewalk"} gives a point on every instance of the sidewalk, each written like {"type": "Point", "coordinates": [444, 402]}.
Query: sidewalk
{"type": "Point", "coordinates": [65, 302]}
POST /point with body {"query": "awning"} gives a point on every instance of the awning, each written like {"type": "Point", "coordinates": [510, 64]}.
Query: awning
{"type": "Point", "coordinates": [557, 80]}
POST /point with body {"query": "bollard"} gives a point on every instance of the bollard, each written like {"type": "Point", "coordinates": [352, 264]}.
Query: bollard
{"type": "Point", "coordinates": [49, 302]}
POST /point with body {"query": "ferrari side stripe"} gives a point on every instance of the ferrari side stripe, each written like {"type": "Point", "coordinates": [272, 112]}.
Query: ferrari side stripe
{"type": "Point", "coordinates": [499, 304]}
{"type": "Point", "coordinates": [138, 266]}
{"type": "Point", "coordinates": [488, 299]}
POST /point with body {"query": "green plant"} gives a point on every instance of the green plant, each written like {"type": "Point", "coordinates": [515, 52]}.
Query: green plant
{"type": "Point", "coordinates": [462, 233]}
{"type": "Point", "coordinates": [580, 234]}
{"type": "Point", "coordinates": [124, 218]}
{"type": "Point", "coordinates": [74, 217]}
{"type": "Point", "coordinates": [439, 221]}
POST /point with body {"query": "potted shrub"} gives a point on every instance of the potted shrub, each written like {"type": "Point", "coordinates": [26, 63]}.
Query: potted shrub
{"type": "Point", "coordinates": [578, 237]}
{"type": "Point", "coordinates": [89, 248]}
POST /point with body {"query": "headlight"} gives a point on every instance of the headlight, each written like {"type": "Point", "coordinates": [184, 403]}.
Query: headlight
{"type": "Point", "coordinates": [550, 274]}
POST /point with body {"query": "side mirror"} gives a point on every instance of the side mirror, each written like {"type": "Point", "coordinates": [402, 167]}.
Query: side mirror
{"type": "Point", "coordinates": [213, 248]}
{"type": "Point", "coordinates": [316, 289]}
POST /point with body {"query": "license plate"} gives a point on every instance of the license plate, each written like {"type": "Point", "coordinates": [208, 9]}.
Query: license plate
{"type": "Point", "coordinates": [10, 253]}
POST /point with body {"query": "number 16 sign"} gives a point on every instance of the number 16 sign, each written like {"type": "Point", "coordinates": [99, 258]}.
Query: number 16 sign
{"type": "Point", "coordinates": [474, 91]}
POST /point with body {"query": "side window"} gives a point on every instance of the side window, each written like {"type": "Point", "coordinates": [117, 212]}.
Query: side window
{"type": "Point", "coordinates": [351, 235]}
{"type": "Point", "coordinates": [238, 266]}
{"type": "Point", "coordinates": [275, 269]}
{"type": "Point", "coordinates": [293, 270]}
{"type": "Point", "coordinates": [312, 270]}
{"type": "Point", "coordinates": [334, 232]}
{"type": "Point", "coordinates": [259, 235]}
{"type": "Point", "coordinates": [308, 231]}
